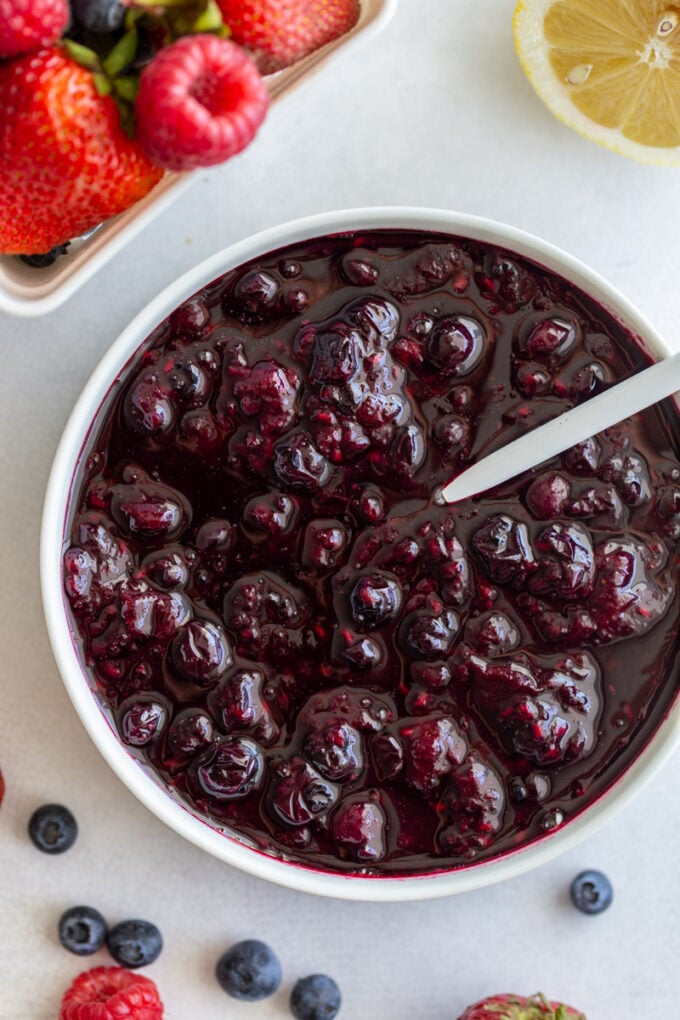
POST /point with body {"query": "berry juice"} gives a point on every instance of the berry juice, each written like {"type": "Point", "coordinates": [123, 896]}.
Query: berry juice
{"type": "Point", "coordinates": [280, 620]}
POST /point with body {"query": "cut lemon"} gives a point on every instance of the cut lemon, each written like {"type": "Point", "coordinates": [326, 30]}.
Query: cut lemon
{"type": "Point", "coordinates": [610, 69]}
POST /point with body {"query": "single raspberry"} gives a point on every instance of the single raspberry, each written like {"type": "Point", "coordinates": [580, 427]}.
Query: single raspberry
{"type": "Point", "coordinates": [26, 25]}
{"type": "Point", "coordinates": [110, 993]}
{"type": "Point", "coordinates": [200, 101]}
{"type": "Point", "coordinates": [281, 32]}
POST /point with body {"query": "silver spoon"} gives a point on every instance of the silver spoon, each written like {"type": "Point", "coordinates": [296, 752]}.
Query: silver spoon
{"type": "Point", "coordinates": [574, 426]}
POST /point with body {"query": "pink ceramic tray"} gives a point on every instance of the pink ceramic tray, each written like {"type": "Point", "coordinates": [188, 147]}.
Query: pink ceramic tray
{"type": "Point", "coordinates": [26, 291]}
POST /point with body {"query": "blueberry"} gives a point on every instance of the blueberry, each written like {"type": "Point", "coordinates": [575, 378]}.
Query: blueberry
{"type": "Point", "coordinates": [45, 259]}
{"type": "Point", "coordinates": [316, 997]}
{"type": "Point", "coordinates": [375, 599]}
{"type": "Point", "coordinates": [82, 930]}
{"type": "Point", "coordinates": [135, 943]}
{"type": "Point", "coordinates": [249, 971]}
{"type": "Point", "coordinates": [591, 892]}
{"type": "Point", "coordinates": [99, 15]}
{"type": "Point", "coordinates": [53, 829]}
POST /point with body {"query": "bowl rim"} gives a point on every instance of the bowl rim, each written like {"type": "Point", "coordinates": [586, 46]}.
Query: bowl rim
{"type": "Point", "coordinates": [139, 780]}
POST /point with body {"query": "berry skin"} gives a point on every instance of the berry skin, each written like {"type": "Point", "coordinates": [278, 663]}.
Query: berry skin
{"type": "Point", "coordinates": [280, 32]}
{"type": "Point", "coordinates": [249, 971]}
{"type": "Point", "coordinates": [200, 101]}
{"type": "Point", "coordinates": [26, 25]}
{"type": "Point", "coordinates": [591, 892]}
{"type": "Point", "coordinates": [110, 993]}
{"type": "Point", "coordinates": [316, 997]}
{"type": "Point", "coordinates": [375, 599]}
{"type": "Point", "coordinates": [99, 15]}
{"type": "Point", "coordinates": [52, 829]}
{"type": "Point", "coordinates": [82, 930]}
{"type": "Point", "coordinates": [520, 1007]}
{"type": "Point", "coordinates": [142, 721]}
{"type": "Point", "coordinates": [65, 162]}
{"type": "Point", "coordinates": [358, 828]}
{"type": "Point", "coordinates": [135, 943]}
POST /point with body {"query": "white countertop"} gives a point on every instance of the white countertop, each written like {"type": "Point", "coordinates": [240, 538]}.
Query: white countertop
{"type": "Point", "coordinates": [435, 111]}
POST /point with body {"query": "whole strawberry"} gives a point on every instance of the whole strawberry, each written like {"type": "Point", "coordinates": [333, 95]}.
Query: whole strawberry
{"type": "Point", "coordinates": [26, 25]}
{"type": "Point", "coordinates": [280, 32]}
{"type": "Point", "coordinates": [65, 162]}
{"type": "Point", "coordinates": [111, 993]}
{"type": "Point", "coordinates": [519, 1007]}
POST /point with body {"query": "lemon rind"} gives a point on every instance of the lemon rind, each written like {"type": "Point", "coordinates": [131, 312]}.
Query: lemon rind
{"type": "Point", "coordinates": [532, 51]}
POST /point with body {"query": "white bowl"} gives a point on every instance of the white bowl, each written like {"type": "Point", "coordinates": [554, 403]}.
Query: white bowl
{"type": "Point", "coordinates": [141, 780]}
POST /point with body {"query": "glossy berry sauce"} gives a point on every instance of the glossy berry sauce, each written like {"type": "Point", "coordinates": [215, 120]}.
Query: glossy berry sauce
{"type": "Point", "coordinates": [283, 623]}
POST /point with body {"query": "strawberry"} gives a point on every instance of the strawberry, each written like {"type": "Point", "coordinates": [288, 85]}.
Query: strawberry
{"type": "Point", "coordinates": [27, 25]}
{"type": "Point", "coordinates": [201, 99]}
{"type": "Point", "coordinates": [65, 162]}
{"type": "Point", "coordinates": [519, 1007]}
{"type": "Point", "coordinates": [111, 993]}
{"type": "Point", "coordinates": [280, 32]}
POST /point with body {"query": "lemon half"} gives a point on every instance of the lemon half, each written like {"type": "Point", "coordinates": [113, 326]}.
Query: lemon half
{"type": "Point", "coordinates": [610, 69]}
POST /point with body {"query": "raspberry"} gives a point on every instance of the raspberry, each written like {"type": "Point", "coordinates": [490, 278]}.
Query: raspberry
{"type": "Point", "coordinates": [107, 993]}
{"type": "Point", "coordinates": [473, 805]}
{"type": "Point", "coordinates": [149, 509]}
{"type": "Point", "coordinates": [433, 746]}
{"type": "Point", "coordinates": [200, 101]}
{"type": "Point", "coordinates": [26, 25]}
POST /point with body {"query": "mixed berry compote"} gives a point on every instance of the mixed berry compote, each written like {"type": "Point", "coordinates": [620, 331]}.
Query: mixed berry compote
{"type": "Point", "coordinates": [280, 619]}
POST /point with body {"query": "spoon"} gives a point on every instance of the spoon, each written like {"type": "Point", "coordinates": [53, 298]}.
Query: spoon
{"type": "Point", "coordinates": [574, 426]}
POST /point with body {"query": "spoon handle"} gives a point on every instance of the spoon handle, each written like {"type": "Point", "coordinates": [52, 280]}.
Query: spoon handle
{"type": "Point", "coordinates": [574, 426]}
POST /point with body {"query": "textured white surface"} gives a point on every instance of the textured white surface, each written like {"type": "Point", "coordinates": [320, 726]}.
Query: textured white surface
{"type": "Point", "coordinates": [437, 112]}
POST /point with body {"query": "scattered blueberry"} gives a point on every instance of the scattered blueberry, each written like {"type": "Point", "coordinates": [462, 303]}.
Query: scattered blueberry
{"type": "Point", "coordinates": [135, 943]}
{"type": "Point", "coordinates": [99, 15]}
{"type": "Point", "coordinates": [591, 892]}
{"type": "Point", "coordinates": [316, 997]}
{"type": "Point", "coordinates": [249, 971]}
{"type": "Point", "coordinates": [45, 259]}
{"type": "Point", "coordinates": [82, 930]}
{"type": "Point", "coordinates": [53, 829]}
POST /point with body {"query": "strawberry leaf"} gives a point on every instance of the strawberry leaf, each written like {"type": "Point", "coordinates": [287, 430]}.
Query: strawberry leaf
{"type": "Point", "coordinates": [122, 54]}
{"type": "Point", "coordinates": [126, 114]}
{"type": "Point", "coordinates": [102, 83]}
{"type": "Point", "coordinates": [126, 87]}
{"type": "Point", "coordinates": [188, 18]}
{"type": "Point", "coordinates": [211, 21]}
{"type": "Point", "coordinates": [82, 55]}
